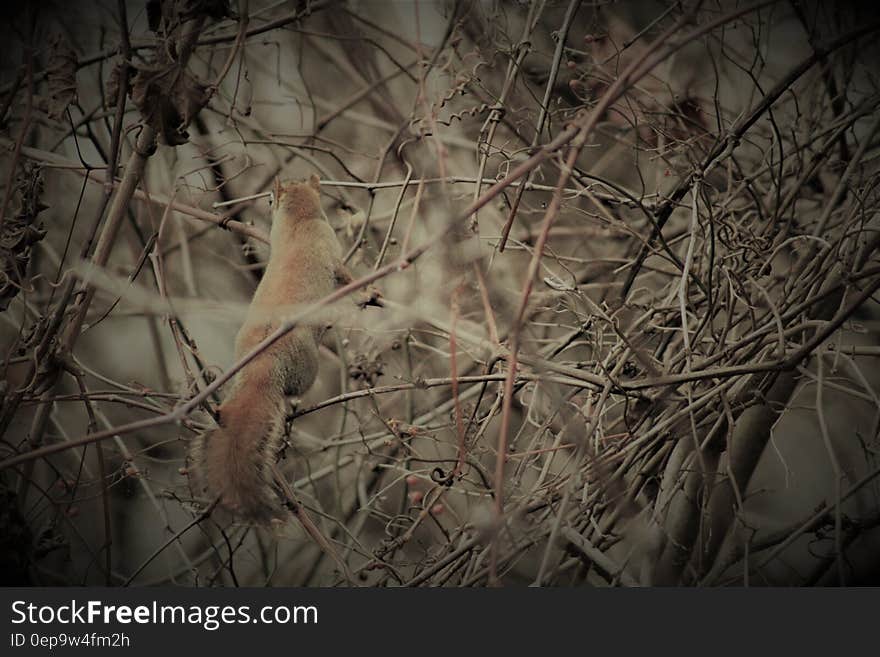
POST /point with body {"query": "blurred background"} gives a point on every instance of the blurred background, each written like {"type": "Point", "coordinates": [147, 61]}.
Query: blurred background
{"type": "Point", "coordinates": [645, 358]}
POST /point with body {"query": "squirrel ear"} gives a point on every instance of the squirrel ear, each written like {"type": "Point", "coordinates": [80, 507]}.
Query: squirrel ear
{"type": "Point", "coordinates": [315, 182]}
{"type": "Point", "coordinates": [276, 188]}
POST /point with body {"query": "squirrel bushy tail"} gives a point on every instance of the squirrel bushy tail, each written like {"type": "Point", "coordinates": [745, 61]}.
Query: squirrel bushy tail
{"type": "Point", "coordinates": [234, 461]}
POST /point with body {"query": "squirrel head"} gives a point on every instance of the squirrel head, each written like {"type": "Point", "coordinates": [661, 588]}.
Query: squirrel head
{"type": "Point", "coordinates": [296, 201]}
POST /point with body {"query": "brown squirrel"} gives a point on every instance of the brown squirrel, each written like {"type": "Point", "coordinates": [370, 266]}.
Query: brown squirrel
{"type": "Point", "coordinates": [234, 461]}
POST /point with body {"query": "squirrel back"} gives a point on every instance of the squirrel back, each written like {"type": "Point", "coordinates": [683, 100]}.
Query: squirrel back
{"type": "Point", "coordinates": [234, 461]}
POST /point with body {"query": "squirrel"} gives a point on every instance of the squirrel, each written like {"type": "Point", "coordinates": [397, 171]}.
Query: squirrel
{"type": "Point", "coordinates": [233, 462]}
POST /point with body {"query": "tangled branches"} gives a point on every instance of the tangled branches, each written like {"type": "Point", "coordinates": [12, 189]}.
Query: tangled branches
{"type": "Point", "coordinates": [629, 264]}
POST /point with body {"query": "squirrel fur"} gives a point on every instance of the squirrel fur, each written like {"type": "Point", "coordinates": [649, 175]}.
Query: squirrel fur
{"type": "Point", "coordinates": [233, 462]}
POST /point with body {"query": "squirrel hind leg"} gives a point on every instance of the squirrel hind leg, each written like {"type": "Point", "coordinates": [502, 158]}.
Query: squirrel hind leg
{"type": "Point", "coordinates": [295, 365]}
